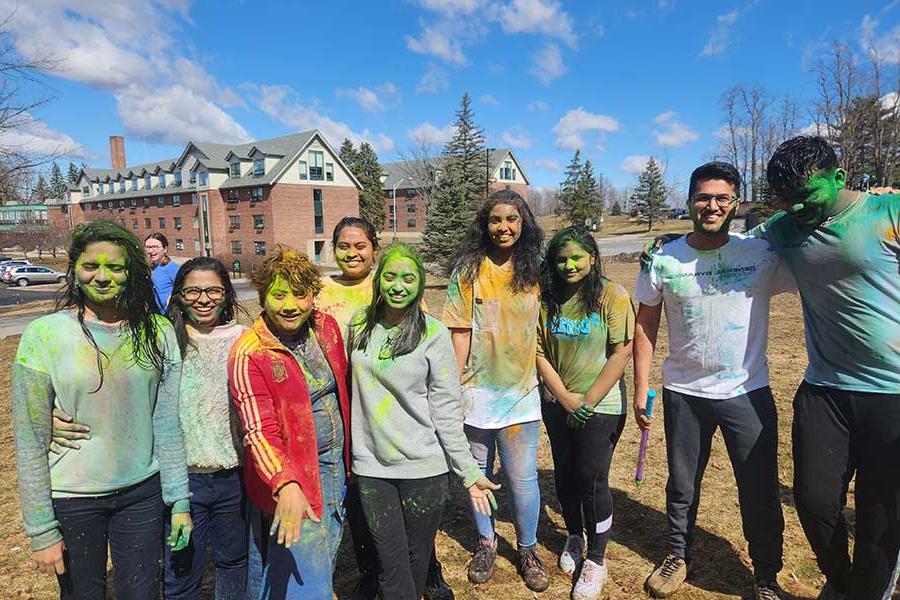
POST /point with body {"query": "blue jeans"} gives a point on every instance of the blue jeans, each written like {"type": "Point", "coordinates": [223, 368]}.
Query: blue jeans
{"type": "Point", "coordinates": [218, 513]}
{"type": "Point", "coordinates": [518, 455]}
{"type": "Point", "coordinates": [303, 571]}
{"type": "Point", "coordinates": [131, 522]}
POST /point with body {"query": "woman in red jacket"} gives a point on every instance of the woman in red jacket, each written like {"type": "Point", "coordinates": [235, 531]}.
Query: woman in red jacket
{"type": "Point", "coordinates": [288, 378]}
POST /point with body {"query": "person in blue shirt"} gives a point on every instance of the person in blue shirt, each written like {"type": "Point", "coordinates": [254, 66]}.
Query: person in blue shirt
{"type": "Point", "coordinates": [164, 269]}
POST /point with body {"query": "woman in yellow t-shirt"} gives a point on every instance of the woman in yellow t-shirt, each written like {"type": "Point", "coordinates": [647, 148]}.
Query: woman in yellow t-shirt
{"type": "Point", "coordinates": [492, 311]}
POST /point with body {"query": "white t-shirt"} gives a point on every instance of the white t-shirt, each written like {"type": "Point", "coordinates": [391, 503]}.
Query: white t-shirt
{"type": "Point", "coordinates": [717, 312]}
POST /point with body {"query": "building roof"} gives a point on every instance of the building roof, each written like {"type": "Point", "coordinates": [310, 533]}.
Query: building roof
{"type": "Point", "coordinates": [406, 172]}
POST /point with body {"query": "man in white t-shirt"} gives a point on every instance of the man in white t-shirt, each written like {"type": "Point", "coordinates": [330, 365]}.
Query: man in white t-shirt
{"type": "Point", "coordinates": [715, 287]}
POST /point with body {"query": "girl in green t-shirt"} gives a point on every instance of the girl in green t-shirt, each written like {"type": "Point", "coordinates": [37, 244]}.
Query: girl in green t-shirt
{"type": "Point", "coordinates": [584, 343]}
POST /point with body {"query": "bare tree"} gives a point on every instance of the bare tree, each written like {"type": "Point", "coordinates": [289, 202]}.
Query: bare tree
{"type": "Point", "coordinates": [420, 168]}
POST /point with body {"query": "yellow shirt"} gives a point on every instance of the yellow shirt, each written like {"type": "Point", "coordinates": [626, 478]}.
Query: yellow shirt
{"type": "Point", "coordinates": [341, 300]}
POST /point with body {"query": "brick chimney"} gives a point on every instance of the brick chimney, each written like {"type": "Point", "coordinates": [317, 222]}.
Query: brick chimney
{"type": "Point", "coordinates": [117, 152]}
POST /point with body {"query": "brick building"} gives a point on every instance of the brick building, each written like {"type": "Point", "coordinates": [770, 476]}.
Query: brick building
{"type": "Point", "coordinates": [233, 202]}
{"type": "Point", "coordinates": [408, 179]}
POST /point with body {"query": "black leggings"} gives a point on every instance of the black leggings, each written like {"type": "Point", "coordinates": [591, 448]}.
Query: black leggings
{"type": "Point", "coordinates": [403, 516]}
{"type": "Point", "coordinates": [836, 434]}
{"type": "Point", "coordinates": [581, 462]}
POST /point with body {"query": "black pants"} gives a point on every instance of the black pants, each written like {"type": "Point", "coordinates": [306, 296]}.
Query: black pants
{"type": "Point", "coordinates": [581, 461]}
{"type": "Point", "coordinates": [749, 425]}
{"type": "Point", "coordinates": [131, 522]}
{"type": "Point", "coordinates": [403, 516]}
{"type": "Point", "coordinates": [836, 434]}
{"type": "Point", "coordinates": [363, 545]}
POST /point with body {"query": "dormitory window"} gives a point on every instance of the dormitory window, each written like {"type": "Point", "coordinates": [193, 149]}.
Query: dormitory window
{"type": "Point", "coordinates": [99, 188]}
{"type": "Point", "coordinates": [86, 191]}
{"type": "Point", "coordinates": [259, 248]}
{"type": "Point", "coordinates": [316, 165]}
{"type": "Point", "coordinates": [147, 183]}
{"type": "Point", "coordinates": [410, 193]}
{"type": "Point", "coordinates": [329, 172]}
{"type": "Point", "coordinates": [132, 203]}
{"type": "Point", "coordinates": [410, 222]}
{"type": "Point", "coordinates": [192, 179]}
{"type": "Point", "coordinates": [235, 246]}
{"type": "Point", "coordinates": [176, 200]}
{"type": "Point", "coordinates": [234, 221]}
{"type": "Point", "coordinates": [134, 224]}
{"type": "Point", "coordinates": [259, 167]}
{"type": "Point", "coordinates": [259, 221]}
{"type": "Point", "coordinates": [203, 177]}
{"type": "Point", "coordinates": [256, 194]}
{"type": "Point", "coordinates": [177, 223]}
{"type": "Point", "coordinates": [162, 222]}
{"type": "Point", "coordinates": [146, 202]}
{"type": "Point", "coordinates": [134, 183]}
{"type": "Point", "coordinates": [121, 187]}
{"type": "Point", "coordinates": [177, 178]}
{"type": "Point", "coordinates": [179, 244]}
{"type": "Point", "coordinates": [233, 196]}
{"type": "Point", "coordinates": [162, 180]}
{"type": "Point", "coordinates": [160, 202]}
{"type": "Point", "coordinates": [318, 214]}
{"type": "Point", "coordinates": [304, 175]}
{"type": "Point", "coordinates": [121, 205]}
{"type": "Point", "coordinates": [147, 223]}
{"type": "Point", "coordinates": [410, 208]}
{"type": "Point", "coordinates": [507, 172]}
{"type": "Point", "coordinates": [235, 170]}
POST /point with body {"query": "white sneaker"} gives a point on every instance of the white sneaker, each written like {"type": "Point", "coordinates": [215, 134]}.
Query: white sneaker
{"type": "Point", "coordinates": [571, 554]}
{"type": "Point", "coordinates": [590, 581]}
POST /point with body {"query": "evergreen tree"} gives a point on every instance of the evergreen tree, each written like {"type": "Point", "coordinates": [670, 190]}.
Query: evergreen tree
{"type": "Point", "coordinates": [616, 208]}
{"type": "Point", "coordinates": [591, 201]}
{"type": "Point", "coordinates": [447, 221]}
{"type": "Point", "coordinates": [72, 175]}
{"type": "Point", "coordinates": [650, 194]}
{"type": "Point", "coordinates": [349, 155]}
{"type": "Point", "coordinates": [57, 183]}
{"type": "Point", "coordinates": [466, 155]}
{"type": "Point", "coordinates": [41, 190]}
{"type": "Point", "coordinates": [371, 197]}
{"type": "Point", "coordinates": [569, 189]}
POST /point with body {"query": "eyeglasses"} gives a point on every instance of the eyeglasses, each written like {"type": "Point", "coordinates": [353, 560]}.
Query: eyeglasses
{"type": "Point", "coordinates": [156, 247]}
{"type": "Point", "coordinates": [722, 200]}
{"type": "Point", "coordinates": [192, 294]}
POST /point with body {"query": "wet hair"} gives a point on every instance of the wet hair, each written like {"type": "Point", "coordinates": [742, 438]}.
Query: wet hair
{"type": "Point", "coordinates": [165, 244]}
{"type": "Point", "coordinates": [553, 287]}
{"type": "Point", "coordinates": [294, 266]}
{"type": "Point", "coordinates": [796, 159]}
{"type": "Point", "coordinates": [715, 170]}
{"type": "Point", "coordinates": [412, 328]}
{"type": "Point", "coordinates": [526, 252]}
{"type": "Point", "coordinates": [359, 223]}
{"type": "Point", "coordinates": [177, 306]}
{"type": "Point", "coordinates": [137, 302]}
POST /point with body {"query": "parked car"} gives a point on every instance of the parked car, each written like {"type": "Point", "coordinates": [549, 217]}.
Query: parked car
{"type": "Point", "coordinates": [28, 274]}
{"type": "Point", "coordinates": [4, 258]}
{"type": "Point", "coordinates": [10, 264]}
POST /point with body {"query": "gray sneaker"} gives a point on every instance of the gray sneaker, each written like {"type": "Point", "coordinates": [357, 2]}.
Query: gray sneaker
{"type": "Point", "coordinates": [571, 554]}
{"type": "Point", "coordinates": [765, 589]}
{"type": "Point", "coordinates": [482, 566]}
{"type": "Point", "coordinates": [667, 578]}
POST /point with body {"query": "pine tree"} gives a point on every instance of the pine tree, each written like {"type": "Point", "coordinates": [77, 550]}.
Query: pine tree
{"type": "Point", "coordinates": [72, 175]}
{"type": "Point", "coordinates": [616, 208]}
{"type": "Point", "coordinates": [569, 189]}
{"type": "Point", "coordinates": [57, 183]}
{"type": "Point", "coordinates": [41, 190]}
{"type": "Point", "coordinates": [447, 221]}
{"type": "Point", "coordinates": [465, 153]}
{"type": "Point", "coordinates": [591, 203]}
{"type": "Point", "coordinates": [349, 155]}
{"type": "Point", "coordinates": [371, 197]}
{"type": "Point", "coordinates": [650, 194]}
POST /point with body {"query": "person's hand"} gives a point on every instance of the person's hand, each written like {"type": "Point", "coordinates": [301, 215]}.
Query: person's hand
{"type": "Point", "coordinates": [640, 410]}
{"type": "Point", "coordinates": [66, 431]}
{"type": "Point", "coordinates": [181, 531]}
{"type": "Point", "coordinates": [50, 559]}
{"type": "Point", "coordinates": [651, 247]}
{"type": "Point", "coordinates": [290, 511]}
{"type": "Point", "coordinates": [571, 401]}
{"type": "Point", "coordinates": [482, 496]}
{"type": "Point", "coordinates": [580, 417]}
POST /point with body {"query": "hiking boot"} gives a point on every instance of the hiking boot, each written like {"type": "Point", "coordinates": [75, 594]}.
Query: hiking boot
{"type": "Point", "coordinates": [435, 586]}
{"type": "Point", "coordinates": [366, 588]}
{"type": "Point", "coordinates": [532, 570]}
{"type": "Point", "coordinates": [766, 589]}
{"type": "Point", "coordinates": [482, 566]}
{"type": "Point", "coordinates": [590, 581]}
{"type": "Point", "coordinates": [571, 554]}
{"type": "Point", "coordinates": [667, 578]}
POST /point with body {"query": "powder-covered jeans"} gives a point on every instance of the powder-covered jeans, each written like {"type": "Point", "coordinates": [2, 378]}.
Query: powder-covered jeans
{"type": "Point", "coordinates": [517, 445]}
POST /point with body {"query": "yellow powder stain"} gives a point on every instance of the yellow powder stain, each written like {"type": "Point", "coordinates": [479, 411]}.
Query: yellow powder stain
{"type": "Point", "coordinates": [891, 234]}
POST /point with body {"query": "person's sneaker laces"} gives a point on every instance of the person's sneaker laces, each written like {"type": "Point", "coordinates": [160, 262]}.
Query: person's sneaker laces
{"type": "Point", "coordinates": [482, 566]}
{"type": "Point", "coordinates": [764, 589]}
{"type": "Point", "coordinates": [532, 570]}
{"type": "Point", "coordinates": [668, 577]}
{"type": "Point", "coordinates": [571, 554]}
{"type": "Point", "coordinates": [435, 586]}
{"type": "Point", "coordinates": [590, 581]}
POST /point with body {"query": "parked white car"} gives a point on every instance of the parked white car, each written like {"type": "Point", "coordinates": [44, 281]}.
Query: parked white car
{"type": "Point", "coordinates": [29, 274]}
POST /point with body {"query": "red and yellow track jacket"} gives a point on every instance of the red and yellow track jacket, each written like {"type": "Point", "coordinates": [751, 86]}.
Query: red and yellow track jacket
{"type": "Point", "coordinates": [270, 393]}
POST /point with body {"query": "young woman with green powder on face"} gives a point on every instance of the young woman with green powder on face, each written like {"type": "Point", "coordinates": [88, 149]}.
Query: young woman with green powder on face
{"type": "Point", "coordinates": [584, 344]}
{"type": "Point", "coordinates": [407, 424]}
{"type": "Point", "coordinates": [109, 360]}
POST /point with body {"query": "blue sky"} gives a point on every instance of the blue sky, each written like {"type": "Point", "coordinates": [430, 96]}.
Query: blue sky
{"type": "Point", "coordinates": [620, 80]}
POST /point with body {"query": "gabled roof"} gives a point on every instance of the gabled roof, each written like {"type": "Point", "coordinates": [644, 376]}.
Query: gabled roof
{"type": "Point", "coordinates": [402, 173]}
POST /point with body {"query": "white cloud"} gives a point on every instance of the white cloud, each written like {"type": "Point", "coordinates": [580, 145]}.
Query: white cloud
{"type": "Point", "coordinates": [280, 102]}
{"type": "Point", "coordinates": [545, 17]}
{"type": "Point", "coordinates": [547, 64]}
{"type": "Point", "coordinates": [36, 137]}
{"type": "Point", "coordinates": [132, 50]}
{"type": "Point", "coordinates": [371, 100]}
{"type": "Point", "coordinates": [488, 100]}
{"type": "Point", "coordinates": [428, 134]}
{"type": "Point", "coordinates": [540, 105]}
{"type": "Point", "coordinates": [721, 36]}
{"type": "Point", "coordinates": [518, 140]}
{"type": "Point", "coordinates": [812, 129]}
{"type": "Point", "coordinates": [890, 101]}
{"type": "Point", "coordinates": [452, 7]}
{"type": "Point", "coordinates": [570, 129]}
{"type": "Point", "coordinates": [672, 133]}
{"type": "Point", "coordinates": [434, 80]}
{"type": "Point", "coordinates": [885, 45]}
{"type": "Point", "coordinates": [549, 164]}
{"type": "Point", "coordinates": [634, 163]}
{"type": "Point", "coordinates": [439, 42]}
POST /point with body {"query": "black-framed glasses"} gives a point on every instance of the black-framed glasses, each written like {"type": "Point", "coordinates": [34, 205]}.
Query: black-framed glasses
{"type": "Point", "coordinates": [722, 200]}
{"type": "Point", "coordinates": [192, 294]}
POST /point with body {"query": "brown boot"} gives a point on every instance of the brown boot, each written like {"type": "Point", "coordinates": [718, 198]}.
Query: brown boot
{"type": "Point", "coordinates": [532, 570]}
{"type": "Point", "coordinates": [667, 578]}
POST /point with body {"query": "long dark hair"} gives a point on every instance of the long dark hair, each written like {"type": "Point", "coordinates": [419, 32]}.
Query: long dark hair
{"type": "Point", "coordinates": [412, 328]}
{"type": "Point", "coordinates": [177, 305]}
{"type": "Point", "coordinates": [137, 302]}
{"type": "Point", "coordinates": [359, 223]}
{"type": "Point", "coordinates": [553, 287]}
{"type": "Point", "coordinates": [526, 252]}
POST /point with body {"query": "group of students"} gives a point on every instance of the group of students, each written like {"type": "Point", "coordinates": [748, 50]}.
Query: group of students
{"type": "Point", "coordinates": [155, 437]}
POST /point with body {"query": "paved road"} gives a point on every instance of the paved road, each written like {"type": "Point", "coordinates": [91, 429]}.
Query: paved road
{"type": "Point", "coordinates": [12, 296]}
